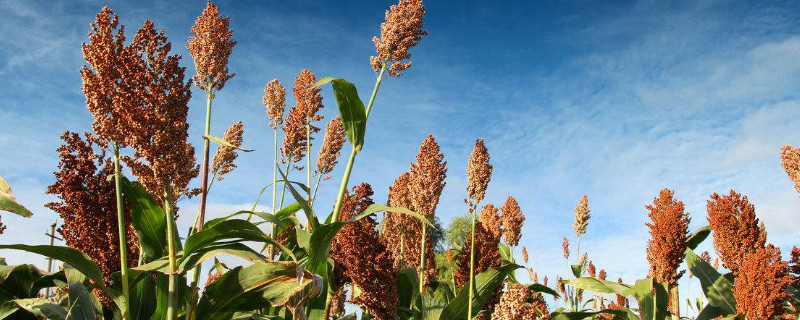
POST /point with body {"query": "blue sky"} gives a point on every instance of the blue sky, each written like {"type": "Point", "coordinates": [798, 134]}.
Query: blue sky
{"type": "Point", "coordinates": [614, 100]}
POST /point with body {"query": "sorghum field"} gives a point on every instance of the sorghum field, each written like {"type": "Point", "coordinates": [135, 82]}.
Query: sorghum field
{"type": "Point", "coordinates": [117, 250]}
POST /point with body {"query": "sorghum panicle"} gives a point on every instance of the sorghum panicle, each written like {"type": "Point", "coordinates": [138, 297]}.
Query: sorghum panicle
{"type": "Point", "coordinates": [581, 216]}
{"type": "Point", "coordinates": [275, 101]}
{"type": "Point", "coordinates": [358, 250]}
{"type": "Point", "coordinates": [490, 219]}
{"type": "Point", "coordinates": [565, 248]}
{"type": "Point", "coordinates": [736, 229]}
{"type": "Point", "coordinates": [210, 47]}
{"type": "Point", "coordinates": [790, 160]}
{"type": "Point", "coordinates": [760, 284]}
{"type": "Point", "coordinates": [331, 148]}
{"type": "Point", "coordinates": [520, 303]}
{"type": "Point", "coordinates": [296, 124]}
{"type": "Point", "coordinates": [109, 80]}
{"type": "Point", "coordinates": [512, 221]}
{"type": "Point", "coordinates": [668, 231]}
{"type": "Point", "coordinates": [479, 172]}
{"type": "Point", "coordinates": [426, 182]}
{"type": "Point", "coordinates": [401, 31]}
{"type": "Point", "coordinates": [487, 255]}
{"type": "Point", "coordinates": [224, 157]}
{"type": "Point", "coordinates": [400, 231]}
{"type": "Point", "coordinates": [161, 151]}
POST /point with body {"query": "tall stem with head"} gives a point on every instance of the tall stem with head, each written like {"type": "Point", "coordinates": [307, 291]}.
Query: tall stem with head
{"type": "Point", "coordinates": [121, 230]}
{"type": "Point", "coordinates": [354, 151]}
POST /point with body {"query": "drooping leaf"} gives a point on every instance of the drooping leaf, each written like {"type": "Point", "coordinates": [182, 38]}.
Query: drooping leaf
{"type": "Point", "coordinates": [717, 288]}
{"type": "Point", "coordinates": [18, 281]}
{"type": "Point", "coordinates": [310, 215]}
{"type": "Point", "coordinates": [147, 218]}
{"type": "Point", "coordinates": [225, 143]}
{"type": "Point", "coordinates": [600, 286]}
{"type": "Point", "coordinates": [275, 282]}
{"type": "Point", "coordinates": [577, 270]}
{"type": "Point", "coordinates": [42, 308]}
{"type": "Point", "coordinates": [9, 203]}
{"type": "Point", "coordinates": [538, 287]}
{"type": "Point", "coordinates": [354, 115]}
{"type": "Point", "coordinates": [229, 230]}
{"type": "Point", "coordinates": [75, 258]}
{"type": "Point", "coordinates": [697, 237]}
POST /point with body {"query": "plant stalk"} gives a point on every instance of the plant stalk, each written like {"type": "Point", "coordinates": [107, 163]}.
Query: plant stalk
{"type": "Point", "coordinates": [203, 190]}
{"type": "Point", "coordinates": [354, 151]}
{"type": "Point", "coordinates": [472, 266]}
{"type": "Point", "coordinates": [172, 299]}
{"type": "Point", "coordinates": [271, 252]}
{"type": "Point", "coordinates": [423, 242]}
{"type": "Point", "coordinates": [123, 242]}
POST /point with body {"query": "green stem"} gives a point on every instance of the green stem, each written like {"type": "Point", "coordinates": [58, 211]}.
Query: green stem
{"type": "Point", "coordinates": [575, 301]}
{"type": "Point", "coordinates": [283, 192]}
{"type": "Point", "coordinates": [308, 156]}
{"type": "Point", "coordinates": [172, 298]}
{"type": "Point", "coordinates": [200, 220]}
{"type": "Point", "coordinates": [316, 188]}
{"type": "Point", "coordinates": [123, 243]}
{"type": "Point", "coordinates": [354, 151]}
{"type": "Point", "coordinates": [472, 266]}
{"type": "Point", "coordinates": [423, 241]}
{"type": "Point", "coordinates": [274, 229]}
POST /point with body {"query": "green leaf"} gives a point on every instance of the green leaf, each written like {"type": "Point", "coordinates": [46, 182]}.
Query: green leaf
{"type": "Point", "coordinates": [538, 287]}
{"type": "Point", "coordinates": [225, 143]}
{"type": "Point", "coordinates": [143, 298]}
{"type": "Point", "coordinates": [42, 308]}
{"type": "Point", "coordinates": [9, 203]}
{"type": "Point", "coordinates": [228, 230]}
{"type": "Point", "coordinates": [577, 270]}
{"type": "Point", "coordinates": [710, 312]}
{"type": "Point", "coordinates": [354, 115]}
{"type": "Point", "coordinates": [485, 285]}
{"type": "Point", "coordinates": [75, 258]}
{"type": "Point", "coordinates": [718, 289]}
{"type": "Point", "coordinates": [81, 303]}
{"type": "Point", "coordinates": [581, 315]}
{"type": "Point", "coordinates": [600, 286]}
{"type": "Point", "coordinates": [407, 283]}
{"type": "Point", "coordinates": [697, 237]}
{"type": "Point", "coordinates": [310, 215]}
{"type": "Point", "coordinates": [651, 307]}
{"type": "Point", "coordinates": [274, 282]}
{"type": "Point", "coordinates": [148, 219]}
{"type": "Point", "coordinates": [18, 281]}
{"type": "Point", "coordinates": [208, 252]}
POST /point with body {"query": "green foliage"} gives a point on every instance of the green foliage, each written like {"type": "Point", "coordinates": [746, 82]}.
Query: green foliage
{"type": "Point", "coordinates": [457, 231]}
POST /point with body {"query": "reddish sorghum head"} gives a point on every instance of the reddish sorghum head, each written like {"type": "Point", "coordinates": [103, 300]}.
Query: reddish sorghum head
{"type": "Point", "coordinates": [275, 101]}
{"type": "Point", "coordinates": [401, 31]}
{"type": "Point", "coordinates": [363, 260]}
{"type": "Point", "coordinates": [520, 303]}
{"type": "Point", "coordinates": [331, 148]}
{"type": "Point", "coordinates": [490, 219]}
{"type": "Point", "coordinates": [210, 47]}
{"type": "Point", "coordinates": [512, 221]}
{"type": "Point", "coordinates": [790, 160]}
{"type": "Point", "coordinates": [223, 159]}
{"type": "Point", "coordinates": [479, 172]}
{"type": "Point", "coordinates": [162, 159]}
{"type": "Point", "coordinates": [669, 228]}
{"type": "Point", "coordinates": [581, 216]}
{"type": "Point", "coordinates": [760, 284]}
{"type": "Point", "coordinates": [736, 229]}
